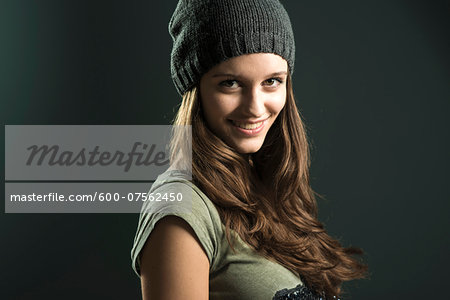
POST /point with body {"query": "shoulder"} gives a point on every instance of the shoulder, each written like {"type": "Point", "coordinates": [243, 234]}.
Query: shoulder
{"type": "Point", "coordinates": [189, 209]}
{"type": "Point", "coordinates": [173, 262]}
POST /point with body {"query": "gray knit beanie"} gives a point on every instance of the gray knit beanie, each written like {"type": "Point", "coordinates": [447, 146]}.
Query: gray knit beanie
{"type": "Point", "coordinates": [208, 32]}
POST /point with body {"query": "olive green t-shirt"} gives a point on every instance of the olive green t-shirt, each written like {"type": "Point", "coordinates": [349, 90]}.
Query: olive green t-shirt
{"type": "Point", "coordinates": [241, 275]}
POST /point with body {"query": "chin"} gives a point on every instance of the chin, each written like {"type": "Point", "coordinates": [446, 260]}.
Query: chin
{"type": "Point", "coordinates": [247, 149]}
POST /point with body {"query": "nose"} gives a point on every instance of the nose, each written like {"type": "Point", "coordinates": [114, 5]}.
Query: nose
{"type": "Point", "coordinates": [253, 102]}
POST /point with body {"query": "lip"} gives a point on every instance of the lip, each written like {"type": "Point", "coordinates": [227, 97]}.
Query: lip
{"type": "Point", "coordinates": [250, 122]}
{"type": "Point", "coordinates": [250, 132]}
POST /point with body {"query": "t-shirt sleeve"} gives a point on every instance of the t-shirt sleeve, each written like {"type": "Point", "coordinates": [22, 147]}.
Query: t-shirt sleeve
{"type": "Point", "coordinates": [165, 201]}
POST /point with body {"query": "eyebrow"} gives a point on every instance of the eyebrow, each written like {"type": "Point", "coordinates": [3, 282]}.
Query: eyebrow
{"type": "Point", "coordinates": [233, 75]}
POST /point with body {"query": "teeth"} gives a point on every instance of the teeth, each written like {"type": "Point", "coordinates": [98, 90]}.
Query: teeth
{"type": "Point", "coordinates": [247, 126]}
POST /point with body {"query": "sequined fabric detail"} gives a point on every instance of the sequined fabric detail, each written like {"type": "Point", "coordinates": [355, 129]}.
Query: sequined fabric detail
{"type": "Point", "coordinates": [300, 292]}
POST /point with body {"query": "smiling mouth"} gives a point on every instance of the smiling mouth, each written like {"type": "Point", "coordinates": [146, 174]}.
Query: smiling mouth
{"type": "Point", "coordinates": [248, 126]}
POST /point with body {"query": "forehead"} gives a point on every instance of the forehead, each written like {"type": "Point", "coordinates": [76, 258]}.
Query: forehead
{"type": "Point", "coordinates": [251, 65]}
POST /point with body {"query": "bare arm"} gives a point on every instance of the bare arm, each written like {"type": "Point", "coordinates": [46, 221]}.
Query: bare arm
{"type": "Point", "coordinates": [173, 263]}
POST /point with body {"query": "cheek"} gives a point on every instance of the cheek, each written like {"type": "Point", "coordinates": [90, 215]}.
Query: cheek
{"type": "Point", "coordinates": [217, 108]}
{"type": "Point", "coordinates": [277, 103]}
{"type": "Point", "coordinates": [215, 111]}
{"type": "Point", "coordinates": [207, 103]}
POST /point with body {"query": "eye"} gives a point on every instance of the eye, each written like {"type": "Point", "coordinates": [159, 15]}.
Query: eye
{"type": "Point", "coordinates": [230, 83]}
{"type": "Point", "coordinates": [273, 82]}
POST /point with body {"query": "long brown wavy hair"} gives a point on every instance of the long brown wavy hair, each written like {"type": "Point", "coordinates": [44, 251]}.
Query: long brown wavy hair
{"type": "Point", "coordinates": [266, 197]}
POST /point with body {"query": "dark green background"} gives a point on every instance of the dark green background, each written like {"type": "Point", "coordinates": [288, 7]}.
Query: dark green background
{"type": "Point", "coordinates": [371, 80]}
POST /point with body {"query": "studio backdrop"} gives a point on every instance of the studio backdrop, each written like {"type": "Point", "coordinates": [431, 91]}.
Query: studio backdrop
{"type": "Point", "coordinates": [372, 84]}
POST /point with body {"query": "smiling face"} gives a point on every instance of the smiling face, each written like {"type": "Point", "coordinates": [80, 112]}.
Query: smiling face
{"type": "Point", "coordinates": [241, 98]}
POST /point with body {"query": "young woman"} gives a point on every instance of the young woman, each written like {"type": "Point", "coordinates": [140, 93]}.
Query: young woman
{"type": "Point", "coordinates": [251, 229]}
